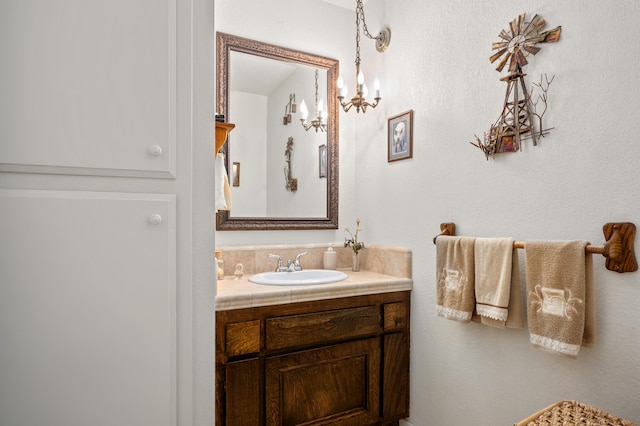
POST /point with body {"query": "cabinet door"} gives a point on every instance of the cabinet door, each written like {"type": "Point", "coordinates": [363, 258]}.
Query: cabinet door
{"type": "Point", "coordinates": [92, 91]}
{"type": "Point", "coordinates": [395, 392]}
{"type": "Point", "coordinates": [87, 308]}
{"type": "Point", "coordinates": [336, 384]}
{"type": "Point", "coordinates": [242, 393]}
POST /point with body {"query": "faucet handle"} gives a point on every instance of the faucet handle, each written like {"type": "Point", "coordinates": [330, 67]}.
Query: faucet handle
{"type": "Point", "coordinates": [280, 267]}
{"type": "Point", "coordinates": [296, 262]}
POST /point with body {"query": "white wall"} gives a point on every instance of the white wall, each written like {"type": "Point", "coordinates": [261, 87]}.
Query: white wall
{"type": "Point", "coordinates": [584, 174]}
{"type": "Point", "coordinates": [310, 198]}
{"type": "Point", "coordinates": [259, 142]}
{"type": "Point", "coordinates": [249, 149]}
{"type": "Point", "coordinates": [581, 176]}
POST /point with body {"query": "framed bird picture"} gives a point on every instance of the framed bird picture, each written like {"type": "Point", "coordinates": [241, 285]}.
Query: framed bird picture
{"type": "Point", "coordinates": [400, 136]}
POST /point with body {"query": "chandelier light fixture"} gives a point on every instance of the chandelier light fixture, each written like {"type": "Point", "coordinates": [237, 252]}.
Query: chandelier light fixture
{"type": "Point", "coordinates": [359, 101]}
{"type": "Point", "coordinates": [319, 121]}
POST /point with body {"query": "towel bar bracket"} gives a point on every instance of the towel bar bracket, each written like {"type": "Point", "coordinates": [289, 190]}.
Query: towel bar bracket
{"type": "Point", "coordinates": [446, 229]}
{"type": "Point", "coordinates": [618, 248]}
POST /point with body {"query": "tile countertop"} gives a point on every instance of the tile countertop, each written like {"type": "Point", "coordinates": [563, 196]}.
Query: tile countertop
{"type": "Point", "coordinates": [238, 294]}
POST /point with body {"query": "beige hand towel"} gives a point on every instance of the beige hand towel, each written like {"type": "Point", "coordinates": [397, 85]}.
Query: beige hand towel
{"type": "Point", "coordinates": [455, 277]}
{"type": "Point", "coordinates": [560, 305]}
{"type": "Point", "coordinates": [515, 319]}
{"type": "Point", "coordinates": [493, 258]}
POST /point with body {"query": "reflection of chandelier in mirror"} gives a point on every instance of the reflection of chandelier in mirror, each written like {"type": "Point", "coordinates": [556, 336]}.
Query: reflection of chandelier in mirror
{"type": "Point", "coordinates": [289, 109]}
{"type": "Point", "coordinates": [382, 42]}
{"type": "Point", "coordinates": [321, 114]}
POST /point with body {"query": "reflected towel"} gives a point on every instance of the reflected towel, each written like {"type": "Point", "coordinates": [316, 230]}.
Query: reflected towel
{"type": "Point", "coordinates": [560, 305]}
{"type": "Point", "coordinates": [493, 258]}
{"type": "Point", "coordinates": [455, 277]}
{"type": "Point", "coordinates": [223, 191]}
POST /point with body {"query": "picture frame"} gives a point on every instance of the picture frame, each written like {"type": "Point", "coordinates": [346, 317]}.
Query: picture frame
{"type": "Point", "coordinates": [322, 161]}
{"type": "Point", "coordinates": [400, 136]}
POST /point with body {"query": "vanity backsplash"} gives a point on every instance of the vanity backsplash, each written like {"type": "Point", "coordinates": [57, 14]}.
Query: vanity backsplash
{"type": "Point", "coordinates": [389, 260]}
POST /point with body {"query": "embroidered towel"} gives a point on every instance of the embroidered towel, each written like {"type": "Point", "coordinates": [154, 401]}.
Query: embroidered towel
{"type": "Point", "coordinates": [492, 259]}
{"type": "Point", "coordinates": [560, 305]}
{"type": "Point", "coordinates": [515, 319]}
{"type": "Point", "coordinates": [455, 277]}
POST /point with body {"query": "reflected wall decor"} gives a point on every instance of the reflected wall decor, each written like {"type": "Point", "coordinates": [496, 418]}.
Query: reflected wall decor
{"type": "Point", "coordinates": [322, 161]}
{"type": "Point", "coordinates": [236, 173]}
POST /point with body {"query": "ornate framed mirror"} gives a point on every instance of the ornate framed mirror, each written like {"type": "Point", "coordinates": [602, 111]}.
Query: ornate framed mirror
{"type": "Point", "coordinates": [257, 83]}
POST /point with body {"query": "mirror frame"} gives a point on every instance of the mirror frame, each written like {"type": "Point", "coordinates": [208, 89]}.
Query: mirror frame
{"type": "Point", "coordinates": [225, 43]}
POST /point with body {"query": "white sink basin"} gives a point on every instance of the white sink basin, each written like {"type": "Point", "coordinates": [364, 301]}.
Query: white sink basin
{"type": "Point", "coordinates": [304, 277]}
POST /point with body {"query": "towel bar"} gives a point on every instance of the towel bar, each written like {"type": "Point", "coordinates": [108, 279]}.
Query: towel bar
{"type": "Point", "coordinates": [618, 248]}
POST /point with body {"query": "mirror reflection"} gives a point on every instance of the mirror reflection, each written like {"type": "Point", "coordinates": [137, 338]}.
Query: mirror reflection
{"type": "Point", "coordinates": [285, 137]}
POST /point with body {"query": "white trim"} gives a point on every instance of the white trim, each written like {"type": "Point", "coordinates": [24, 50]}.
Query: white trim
{"type": "Point", "coordinates": [493, 312]}
{"type": "Point", "coordinates": [453, 314]}
{"type": "Point", "coordinates": [554, 345]}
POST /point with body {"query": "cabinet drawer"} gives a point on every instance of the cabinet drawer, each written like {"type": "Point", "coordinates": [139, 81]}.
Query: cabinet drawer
{"type": "Point", "coordinates": [243, 338]}
{"type": "Point", "coordinates": [322, 327]}
{"type": "Point", "coordinates": [395, 316]}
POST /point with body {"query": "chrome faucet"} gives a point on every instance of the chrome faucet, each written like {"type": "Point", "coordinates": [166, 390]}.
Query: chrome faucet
{"type": "Point", "coordinates": [280, 267]}
{"type": "Point", "coordinates": [292, 265]}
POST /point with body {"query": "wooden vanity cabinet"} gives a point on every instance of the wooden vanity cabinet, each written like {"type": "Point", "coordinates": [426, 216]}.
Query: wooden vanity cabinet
{"type": "Point", "coordinates": [343, 362]}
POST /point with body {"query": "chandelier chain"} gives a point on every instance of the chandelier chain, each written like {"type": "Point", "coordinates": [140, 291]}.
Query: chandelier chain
{"type": "Point", "coordinates": [316, 92]}
{"type": "Point", "coordinates": [365, 30]}
{"type": "Point", "coordinates": [358, 11]}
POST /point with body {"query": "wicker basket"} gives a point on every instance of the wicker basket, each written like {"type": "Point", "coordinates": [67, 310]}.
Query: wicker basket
{"type": "Point", "coordinates": [572, 413]}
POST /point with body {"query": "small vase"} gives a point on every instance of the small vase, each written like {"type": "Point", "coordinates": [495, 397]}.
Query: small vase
{"type": "Point", "coordinates": [355, 262]}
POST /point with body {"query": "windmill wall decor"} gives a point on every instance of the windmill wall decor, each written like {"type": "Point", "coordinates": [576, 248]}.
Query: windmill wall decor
{"type": "Point", "coordinates": [516, 122]}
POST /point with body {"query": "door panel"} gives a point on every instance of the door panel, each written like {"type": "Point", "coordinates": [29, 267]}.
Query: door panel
{"type": "Point", "coordinates": [336, 385]}
{"type": "Point", "coordinates": [87, 308]}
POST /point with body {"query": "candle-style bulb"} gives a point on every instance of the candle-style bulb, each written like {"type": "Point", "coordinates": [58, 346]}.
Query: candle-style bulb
{"type": "Point", "coordinates": [304, 112]}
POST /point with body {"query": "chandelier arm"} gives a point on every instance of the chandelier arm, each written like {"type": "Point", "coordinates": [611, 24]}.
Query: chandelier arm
{"type": "Point", "coordinates": [346, 106]}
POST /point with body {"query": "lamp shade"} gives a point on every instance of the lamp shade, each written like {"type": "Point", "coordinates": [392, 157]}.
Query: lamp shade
{"type": "Point", "coordinates": [304, 111]}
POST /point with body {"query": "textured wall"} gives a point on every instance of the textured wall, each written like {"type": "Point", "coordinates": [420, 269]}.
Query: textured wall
{"type": "Point", "coordinates": [584, 174]}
